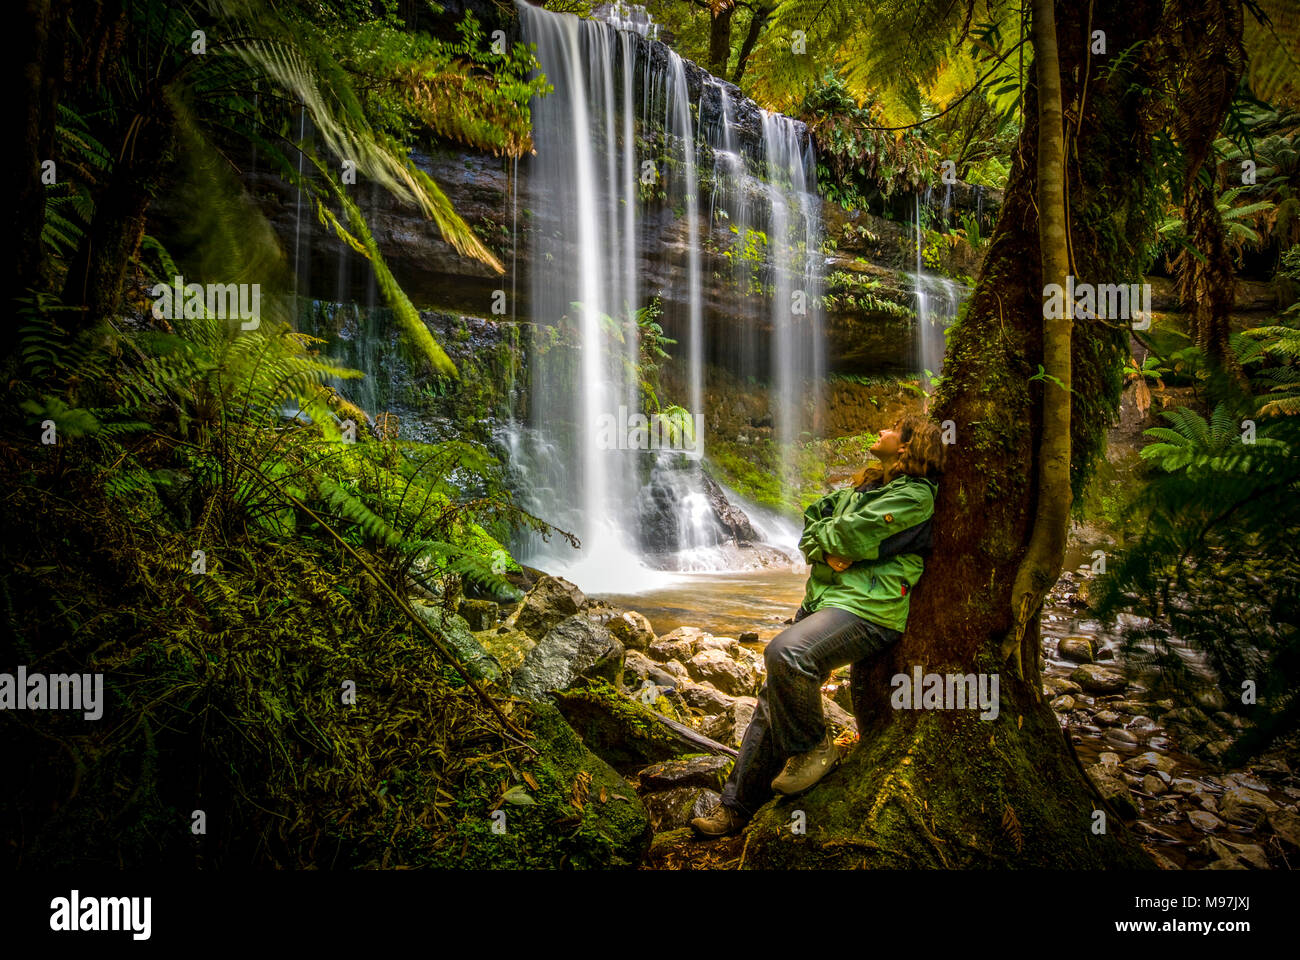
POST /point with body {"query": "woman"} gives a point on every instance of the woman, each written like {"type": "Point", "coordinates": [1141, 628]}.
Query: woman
{"type": "Point", "coordinates": [866, 546]}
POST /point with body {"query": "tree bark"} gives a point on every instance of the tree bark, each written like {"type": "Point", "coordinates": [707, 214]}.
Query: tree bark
{"type": "Point", "coordinates": [97, 272]}
{"type": "Point", "coordinates": [943, 787]}
{"type": "Point", "coordinates": [720, 38]}
{"type": "Point", "coordinates": [1041, 566]}
{"type": "Point", "coordinates": [757, 21]}
{"type": "Point", "coordinates": [38, 69]}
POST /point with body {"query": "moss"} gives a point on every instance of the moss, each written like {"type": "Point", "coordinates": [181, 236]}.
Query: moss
{"type": "Point", "coordinates": [940, 789]}
{"type": "Point", "coordinates": [568, 824]}
{"type": "Point", "coordinates": [615, 727]}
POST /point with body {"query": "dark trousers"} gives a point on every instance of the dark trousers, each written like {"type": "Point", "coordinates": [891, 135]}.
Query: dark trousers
{"type": "Point", "coordinates": [788, 719]}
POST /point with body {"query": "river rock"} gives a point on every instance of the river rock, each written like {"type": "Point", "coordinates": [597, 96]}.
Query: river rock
{"type": "Point", "coordinates": [1286, 825]}
{"type": "Point", "coordinates": [1120, 739]}
{"type": "Point", "coordinates": [1243, 805]}
{"type": "Point", "coordinates": [676, 808]}
{"type": "Point", "coordinates": [637, 668]}
{"type": "Point", "coordinates": [1078, 649]}
{"type": "Point", "coordinates": [1058, 686]}
{"type": "Point", "coordinates": [1097, 679]}
{"type": "Point", "coordinates": [1063, 704]}
{"type": "Point", "coordinates": [546, 605]}
{"type": "Point", "coordinates": [1113, 789]}
{"type": "Point", "coordinates": [1108, 759]}
{"type": "Point", "coordinates": [726, 674]}
{"type": "Point", "coordinates": [679, 648]}
{"type": "Point", "coordinates": [1211, 700]}
{"type": "Point", "coordinates": [510, 647]}
{"type": "Point", "coordinates": [839, 719]}
{"type": "Point", "coordinates": [704, 697]}
{"type": "Point", "coordinates": [708, 772]}
{"type": "Point", "coordinates": [677, 669]}
{"type": "Point", "coordinates": [576, 647]}
{"type": "Point", "coordinates": [709, 642]}
{"type": "Point", "coordinates": [1188, 716]}
{"type": "Point", "coordinates": [1153, 785]}
{"type": "Point", "coordinates": [621, 730]}
{"type": "Point", "coordinates": [479, 614]}
{"type": "Point", "coordinates": [729, 727]}
{"type": "Point", "coordinates": [1107, 718]}
{"type": "Point", "coordinates": [1229, 721]}
{"type": "Point", "coordinates": [1105, 653]}
{"type": "Point", "coordinates": [1134, 707]}
{"type": "Point", "coordinates": [749, 636]}
{"type": "Point", "coordinates": [1204, 821]}
{"type": "Point", "coordinates": [633, 630]}
{"type": "Point", "coordinates": [1150, 761]}
{"type": "Point", "coordinates": [1251, 854]}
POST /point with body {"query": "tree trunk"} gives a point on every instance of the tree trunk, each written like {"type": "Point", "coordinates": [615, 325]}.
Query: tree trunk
{"type": "Point", "coordinates": [944, 788]}
{"type": "Point", "coordinates": [1212, 59]}
{"type": "Point", "coordinates": [1041, 566]}
{"type": "Point", "coordinates": [38, 70]}
{"type": "Point", "coordinates": [97, 272]}
{"type": "Point", "coordinates": [757, 21]}
{"type": "Point", "coordinates": [720, 39]}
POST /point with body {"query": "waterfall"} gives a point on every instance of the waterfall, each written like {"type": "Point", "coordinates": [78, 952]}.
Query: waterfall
{"type": "Point", "coordinates": [938, 301]}
{"type": "Point", "coordinates": [598, 154]}
{"type": "Point", "coordinates": [795, 358]}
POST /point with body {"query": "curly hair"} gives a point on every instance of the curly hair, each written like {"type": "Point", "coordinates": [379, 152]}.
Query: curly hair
{"type": "Point", "coordinates": [926, 454]}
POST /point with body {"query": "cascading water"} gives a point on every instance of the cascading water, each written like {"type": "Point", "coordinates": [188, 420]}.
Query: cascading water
{"type": "Point", "coordinates": [938, 300]}
{"type": "Point", "coordinates": [796, 333]}
{"type": "Point", "coordinates": [616, 91]}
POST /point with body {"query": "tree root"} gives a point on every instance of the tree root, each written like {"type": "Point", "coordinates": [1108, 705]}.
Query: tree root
{"type": "Point", "coordinates": [897, 787]}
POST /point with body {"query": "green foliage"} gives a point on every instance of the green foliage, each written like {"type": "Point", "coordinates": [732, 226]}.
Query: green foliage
{"type": "Point", "coordinates": [1209, 555]}
{"type": "Point", "coordinates": [858, 160]}
{"type": "Point", "coordinates": [462, 90]}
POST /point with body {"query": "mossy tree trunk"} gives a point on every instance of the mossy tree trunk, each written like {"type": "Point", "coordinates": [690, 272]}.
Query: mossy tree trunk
{"type": "Point", "coordinates": [1041, 565]}
{"type": "Point", "coordinates": [944, 788]}
{"type": "Point", "coordinates": [98, 269]}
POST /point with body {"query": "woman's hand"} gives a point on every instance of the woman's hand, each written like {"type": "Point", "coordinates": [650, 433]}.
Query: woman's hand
{"type": "Point", "coordinates": [838, 564]}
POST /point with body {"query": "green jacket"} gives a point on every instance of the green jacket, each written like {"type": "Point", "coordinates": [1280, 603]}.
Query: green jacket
{"type": "Point", "coordinates": [852, 525]}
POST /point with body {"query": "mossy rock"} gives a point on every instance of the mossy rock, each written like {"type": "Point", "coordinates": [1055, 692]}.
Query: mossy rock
{"type": "Point", "coordinates": [510, 647]}
{"type": "Point", "coordinates": [455, 632]}
{"type": "Point", "coordinates": [567, 824]}
{"type": "Point", "coordinates": [620, 730]}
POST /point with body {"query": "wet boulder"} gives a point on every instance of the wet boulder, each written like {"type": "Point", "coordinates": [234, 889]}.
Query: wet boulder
{"type": "Point", "coordinates": [736, 679]}
{"type": "Point", "coordinates": [705, 698]}
{"type": "Point", "coordinates": [633, 630]}
{"type": "Point", "coordinates": [729, 727]}
{"type": "Point", "coordinates": [704, 771]}
{"type": "Point", "coordinates": [575, 647]}
{"type": "Point", "coordinates": [1078, 649]}
{"type": "Point", "coordinates": [550, 601]}
{"type": "Point", "coordinates": [1095, 679]}
{"type": "Point", "coordinates": [676, 808]}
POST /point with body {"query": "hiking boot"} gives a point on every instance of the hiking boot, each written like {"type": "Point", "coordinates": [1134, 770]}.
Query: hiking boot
{"type": "Point", "coordinates": [805, 769]}
{"type": "Point", "coordinates": [721, 821]}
